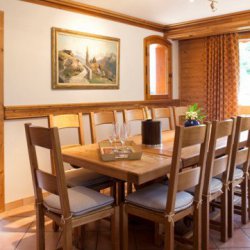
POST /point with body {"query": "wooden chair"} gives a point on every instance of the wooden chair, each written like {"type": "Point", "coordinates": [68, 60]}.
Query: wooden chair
{"type": "Point", "coordinates": [238, 174]}
{"type": "Point", "coordinates": [80, 176]}
{"type": "Point", "coordinates": [69, 208]}
{"type": "Point", "coordinates": [167, 204]}
{"type": "Point", "coordinates": [101, 118]}
{"type": "Point", "coordinates": [159, 113]}
{"type": "Point", "coordinates": [179, 115]}
{"type": "Point", "coordinates": [217, 166]}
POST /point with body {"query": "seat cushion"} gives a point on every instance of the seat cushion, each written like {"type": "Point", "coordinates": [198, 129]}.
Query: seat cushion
{"type": "Point", "coordinates": [84, 177]}
{"type": "Point", "coordinates": [238, 173]}
{"type": "Point", "coordinates": [154, 197]}
{"type": "Point", "coordinates": [82, 200]}
{"type": "Point", "coordinates": [215, 185]}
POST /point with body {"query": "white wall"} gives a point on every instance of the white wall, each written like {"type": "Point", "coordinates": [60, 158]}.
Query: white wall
{"type": "Point", "coordinates": [27, 74]}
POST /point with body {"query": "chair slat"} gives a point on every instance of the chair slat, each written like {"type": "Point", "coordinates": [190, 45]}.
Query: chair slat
{"type": "Point", "coordinates": [101, 118]}
{"type": "Point", "coordinates": [134, 114]}
{"type": "Point", "coordinates": [105, 117]}
{"type": "Point", "coordinates": [41, 137]}
{"type": "Point", "coordinates": [193, 135]}
{"type": "Point", "coordinates": [241, 156]}
{"type": "Point", "coordinates": [47, 181]}
{"type": "Point", "coordinates": [66, 121]}
{"type": "Point", "coordinates": [188, 178]}
{"type": "Point", "coordinates": [220, 165]}
{"type": "Point", "coordinates": [225, 128]}
{"type": "Point", "coordinates": [158, 113]}
{"type": "Point", "coordinates": [179, 115]}
{"type": "Point", "coordinates": [245, 124]}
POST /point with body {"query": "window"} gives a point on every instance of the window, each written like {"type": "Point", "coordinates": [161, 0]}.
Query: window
{"type": "Point", "coordinates": [244, 87]}
{"type": "Point", "coordinates": [158, 68]}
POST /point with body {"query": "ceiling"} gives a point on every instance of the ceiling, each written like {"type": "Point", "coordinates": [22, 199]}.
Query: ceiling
{"type": "Point", "coordinates": [169, 11]}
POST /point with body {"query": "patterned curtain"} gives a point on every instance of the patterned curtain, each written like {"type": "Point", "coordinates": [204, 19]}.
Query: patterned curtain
{"type": "Point", "coordinates": [222, 76]}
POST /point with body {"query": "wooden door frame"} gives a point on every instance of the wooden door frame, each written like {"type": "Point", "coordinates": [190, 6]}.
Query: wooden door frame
{"type": "Point", "coordinates": [2, 195]}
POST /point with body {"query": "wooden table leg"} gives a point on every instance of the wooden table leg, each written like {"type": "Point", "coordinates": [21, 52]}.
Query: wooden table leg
{"type": "Point", "coordinates": [120, 200]}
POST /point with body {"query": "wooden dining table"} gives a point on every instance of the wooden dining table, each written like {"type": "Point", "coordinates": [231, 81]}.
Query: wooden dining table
{"type": "Point", "coordinates": [154, 163]}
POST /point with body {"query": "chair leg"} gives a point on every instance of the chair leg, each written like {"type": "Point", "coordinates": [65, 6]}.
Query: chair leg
{"type": "Point", "coordinates": [40, 230]}
{"type": "Point", "coordinates": [67, 235]}
{"type": "Point", "coordinates": [129, 188]}
{"type": "Point", "coordinates": [230, 211]}
{"type": "Point", "coordinates": [248, 185]}
{"type": "Point", "coordinates": [158, 234]}
{"type": "Point", "coordinates": [244, 214]}
{"type": "Point", "coordinates": [55, 227]}
{"type": "Point", "coordinates": [224, 216]}
{"type": "Point", "coordinates": [115, 232]}
{"type": "Point", "coordinates": [113, 192]}
{"type": "Point", "coordinates": [169, 236]}
{"type": "Point", "coordinates": [205, 223]}
{"type": "Point", "coordinates": [124, 229]}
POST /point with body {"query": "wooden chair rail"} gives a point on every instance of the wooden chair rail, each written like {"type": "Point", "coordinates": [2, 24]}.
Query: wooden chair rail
{"type": "Point", "coordinates": [36, 111]}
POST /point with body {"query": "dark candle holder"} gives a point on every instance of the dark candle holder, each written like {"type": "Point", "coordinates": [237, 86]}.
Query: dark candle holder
{"type": "Point", "coordinates": [151, 132]}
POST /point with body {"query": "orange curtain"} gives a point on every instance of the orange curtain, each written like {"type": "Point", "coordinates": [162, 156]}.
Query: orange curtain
{"type": "Point", "coordinates": [222, 76]}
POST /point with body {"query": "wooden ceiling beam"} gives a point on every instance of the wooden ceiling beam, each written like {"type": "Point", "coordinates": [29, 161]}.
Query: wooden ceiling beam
{"type": "Point", "coordinates": [234, 22]}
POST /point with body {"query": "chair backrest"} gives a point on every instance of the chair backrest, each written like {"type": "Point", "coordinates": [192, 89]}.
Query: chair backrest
{"type": "Point", "coordinates": [241, 153]}
{"type": "Point", "coordinates": [134, 115]}
{"type": "Point", "coordinates": [219, 164]}
{"type": "Point", "coordinates": [101, 118]}
{"type": "Point", "coordinates": [47, 138]}
{"type": "Point", "coordinates": [159, 113]}
{"type": "Point", "coordinates": [179, 115]}
{"type": "Point", "coordinates": [68, 121]}
{"type": "Point", "coordinates": [192, 177]}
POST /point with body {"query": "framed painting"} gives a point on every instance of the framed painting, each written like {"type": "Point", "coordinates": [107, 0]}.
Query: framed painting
{"type": "Point", "coordinates": [84, 61]}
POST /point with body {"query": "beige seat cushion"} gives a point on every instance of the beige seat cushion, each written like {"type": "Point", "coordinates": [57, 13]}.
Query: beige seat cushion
{"type": "Point", "coordinates": [84, 177]}
{"type": "Point", "coordinates": [238, 173]}
{"type": "Point", "coordinates": [82, 200]}
{"type": "Point", "coordinates": [215, 186]}
{"type": "Point", "coordinates": [154, 197]}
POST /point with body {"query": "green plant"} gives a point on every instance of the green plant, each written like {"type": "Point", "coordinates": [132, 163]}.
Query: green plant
{"type": "Point", "coordinates": [195, 113]}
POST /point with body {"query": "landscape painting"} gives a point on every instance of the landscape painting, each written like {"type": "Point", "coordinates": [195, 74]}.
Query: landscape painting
{"type": "Point", "coordinates": [84, 61]}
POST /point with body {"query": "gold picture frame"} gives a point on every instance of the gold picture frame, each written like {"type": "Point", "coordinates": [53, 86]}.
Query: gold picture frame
{"type": "Point", "coordinates": [84, 61]}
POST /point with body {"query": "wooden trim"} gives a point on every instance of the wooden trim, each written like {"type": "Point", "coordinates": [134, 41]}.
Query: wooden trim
{"type": "Point", "coordinates": [244, 35]}
{"type": "Point", "coordinates": [2, 198]}
{"type": "Point", "coordinates": [234, 22]}
{"type": "Point", "coordinates": [35, 111]}
{"type": "Point", "coordinates": [243, 110]}
{"type": "Point", "coordinates": [147, 42]}
{"type": "Point", "coordinates": [73, 6]}
{"type": "Point", "coordinates": [20, 203]}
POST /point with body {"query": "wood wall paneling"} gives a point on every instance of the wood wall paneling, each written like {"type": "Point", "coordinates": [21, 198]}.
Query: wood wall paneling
{"type": "Point", "coordinates": [2, 199]}
{"type": "Point", "coordinates": [99, 12]}
{"type": "Point", "coordinates": [35, 111]}
{"type": "Point", "coordinates": [233, 22]}
{"type": "Point", "coordinates": [192, 70]}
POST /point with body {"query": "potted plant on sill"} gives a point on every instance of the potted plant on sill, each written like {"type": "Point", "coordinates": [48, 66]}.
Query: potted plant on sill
{"type": "Point", "coordinates": [193, 116]}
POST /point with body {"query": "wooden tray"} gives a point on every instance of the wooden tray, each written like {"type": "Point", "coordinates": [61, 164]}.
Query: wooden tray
{"type": "Point", "coordinates": [118, 151]}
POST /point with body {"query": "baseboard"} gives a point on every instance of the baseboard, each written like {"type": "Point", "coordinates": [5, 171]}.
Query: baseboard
{"type": "Point", "coordinates": [19, 203]}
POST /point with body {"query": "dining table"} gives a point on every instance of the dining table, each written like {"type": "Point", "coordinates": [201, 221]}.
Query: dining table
{"type": "Point", "coordinates": [154, 163]}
